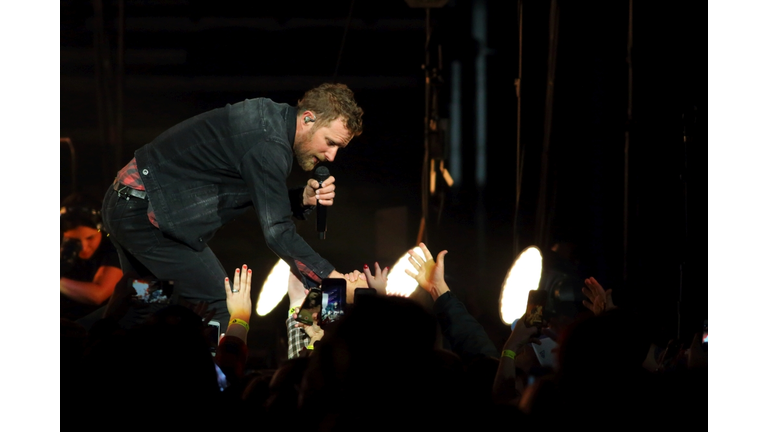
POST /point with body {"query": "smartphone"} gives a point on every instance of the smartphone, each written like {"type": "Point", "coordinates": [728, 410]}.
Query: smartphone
{"type": "Point", "coordinates": [534, 313]}
{"type": "Point", "coordinates": [334, 304]}
{"type": "Point", "coordinates": [214, 334]}
{"type": "Point", "coordinates": [705, 336]}
{"type": "Point", "coordinates": [362, 293]}
{"type": "Point", "coordinates": [151, 291]}
{"type": "Point", "coordinates": [312, 304]}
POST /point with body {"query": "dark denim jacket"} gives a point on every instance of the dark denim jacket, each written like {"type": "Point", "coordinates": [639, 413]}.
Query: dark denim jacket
{"type": "Point", "coordinates": [205, 171]}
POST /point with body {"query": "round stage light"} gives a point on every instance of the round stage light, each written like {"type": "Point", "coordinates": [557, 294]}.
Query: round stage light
{"type": "Point", "coordinates": [274, 289]}
{"type": "Point", "coordinates": [398, 282]}
{"type": "Point", "coordinates": [523, 276]}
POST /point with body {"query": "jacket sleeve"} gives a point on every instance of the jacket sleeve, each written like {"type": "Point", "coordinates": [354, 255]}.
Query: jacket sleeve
{"type": "Point", "coordinates": [299, 210]}
{"type": "Point", "coordinates": [462, 331]}
{"type": "Point", "coordinates": [265, 169]}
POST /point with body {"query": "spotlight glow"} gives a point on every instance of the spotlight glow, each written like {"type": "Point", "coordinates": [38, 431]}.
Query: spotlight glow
{"type": "Point", "coordinates": [523, 276]}
{"type": "Point", "coordinates": [398, 282]}
{"type": "Point", "coordinates": [274, 289]}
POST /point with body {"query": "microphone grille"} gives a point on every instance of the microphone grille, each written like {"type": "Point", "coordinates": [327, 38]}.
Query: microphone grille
{"type": "Point", "coordinates": [322, 173]}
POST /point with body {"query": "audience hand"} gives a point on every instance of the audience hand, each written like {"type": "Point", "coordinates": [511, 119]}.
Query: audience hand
{"type": "Point", "coordinates": [239, 301]}
{"type": "Point", "coordinates": [520, 336]}
{"type": "Point", "coordinates": [354, 279]}
{"type": "Point", "coordinates": [696, 356]}
{"type": "Point", "coordinates": [600, 300]}
{"type": "Point", "coordinates": [120, 301]}
{"type": "Point", "coordinates": [430, 274]}
{"type": "Point", "coordinates": [200, 308]}
{"type": "Point", "coordinates": [296, 291]}
{"type": "Point", "coordinates": [314, 331]}
{"type": "Point", "coordinates": [377, 280]}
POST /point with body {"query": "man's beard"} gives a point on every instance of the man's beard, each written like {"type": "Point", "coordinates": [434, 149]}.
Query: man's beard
{"type": "Point", "coordinates": [303, 155]}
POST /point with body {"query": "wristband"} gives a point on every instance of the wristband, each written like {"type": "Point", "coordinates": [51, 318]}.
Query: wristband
{"type": "Point", "coordinates": [241, 322]}
{"type": "Point", "coordinates": [293, 310]}
{"type": "Point", "coordinates": [508, 353]}
{"type": "Point", "coordinates": [310, 347]}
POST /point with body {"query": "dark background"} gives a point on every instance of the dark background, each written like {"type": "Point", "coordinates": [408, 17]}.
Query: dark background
{"type": "Point", "coordinates": [181, 58]}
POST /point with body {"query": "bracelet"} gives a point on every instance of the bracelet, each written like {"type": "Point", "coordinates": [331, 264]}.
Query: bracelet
{"type": "Point", "coordinates": [292, 311]}
{"type": "Point", "coordinates": [508, 353]}
{"type": "Point", "coordinates": [241, 322]}
{"type": "Point", "coordinates": [310, 347]}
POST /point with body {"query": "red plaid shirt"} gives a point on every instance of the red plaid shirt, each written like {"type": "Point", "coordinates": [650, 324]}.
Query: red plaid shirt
{"type": "Point", "coordinates": [129, 176]}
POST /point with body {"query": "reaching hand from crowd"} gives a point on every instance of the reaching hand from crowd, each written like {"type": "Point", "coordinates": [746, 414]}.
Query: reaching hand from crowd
{"type": "Point", "coordinates": [696, 356]}
{"type": "Point", "coordinates": [239, 302]}
{"type": "Point", "coordinates": [600, 300]}
{"type": "Point", "coordinates": [429, 274]}
{"type": "Point", "coordinates": [355, 280]}
{"type": "Point", "coordinates": [506, 389]}
{"type": "Point", "coordinates": [296, 291]}
{"type": "Point", "coordinates": [314, 331]}
{"type": "Point", "coordinates": [378, 280]}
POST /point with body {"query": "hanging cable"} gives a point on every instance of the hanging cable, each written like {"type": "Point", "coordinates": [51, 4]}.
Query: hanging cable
{"type": "Point", "coordinates": [343, 39]}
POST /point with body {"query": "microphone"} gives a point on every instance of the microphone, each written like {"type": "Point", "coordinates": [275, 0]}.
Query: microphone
{"type": "Point", "coordinates": [321, 175]}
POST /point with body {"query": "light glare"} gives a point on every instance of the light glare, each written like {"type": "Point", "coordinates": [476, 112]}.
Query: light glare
{"type": "Point", "coordinates": [523, 276]}
{"type": "Point", "coordinates": [274, 288]}
{"type": "Point", "coordinates": [398, 282]}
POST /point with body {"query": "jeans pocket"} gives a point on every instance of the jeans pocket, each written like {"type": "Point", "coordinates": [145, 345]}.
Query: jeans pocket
{"type": "Point", "coordinates": [130, 225]}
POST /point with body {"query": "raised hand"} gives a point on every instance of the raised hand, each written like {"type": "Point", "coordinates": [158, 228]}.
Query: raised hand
{"type": "Point", "coordinates": [239, 294]}
{"type": "Point", "coordinates": [600, 300]}
{"type": "Point", "coordinates": [378, 280]}
{"type": "Point", "coordinates": [429, 274]}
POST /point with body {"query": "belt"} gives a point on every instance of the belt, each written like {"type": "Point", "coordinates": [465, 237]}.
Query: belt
{"type": "Point", "coordinates": [127, 192]}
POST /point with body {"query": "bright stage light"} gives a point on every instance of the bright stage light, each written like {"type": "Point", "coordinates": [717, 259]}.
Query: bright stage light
{"type": "Point", "coordinates": [274, 288]}
{"type": "Point", "coordinates": [523, 276]}
{"type": "Point", "coordinates": [398, 282]}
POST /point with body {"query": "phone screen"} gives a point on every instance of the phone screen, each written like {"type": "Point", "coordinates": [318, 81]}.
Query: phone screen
{"type": "Point", "coordinates": [214, 334]}
{"type": "Point", "coordinates": [534, 314]}
{"type": "Point", "coordinates": [312, 304]}
{"type": "Point", "coordinates": [152, 291]}
{"type": "Point", "coordinates": [334, 299]}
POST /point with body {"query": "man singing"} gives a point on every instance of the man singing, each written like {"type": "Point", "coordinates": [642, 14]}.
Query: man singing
{"type": "Point", "coordinates": [169, 200]}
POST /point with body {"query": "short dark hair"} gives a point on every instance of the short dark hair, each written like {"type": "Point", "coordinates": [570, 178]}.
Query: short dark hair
{"type": "Point", "coordinates": [80, 210]}
{"type": "Point", "coordinates": [331, 101]}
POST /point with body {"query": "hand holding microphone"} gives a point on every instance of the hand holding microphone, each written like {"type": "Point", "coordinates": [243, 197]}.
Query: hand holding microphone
{"type": "Point", "coordinates": [324, 192]}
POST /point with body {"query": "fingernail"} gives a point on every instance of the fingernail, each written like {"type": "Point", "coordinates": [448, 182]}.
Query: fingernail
{"type": "Point", "coordinates": [377, 264]}
{"type": "Point", "coordinates": [386, 268]}
{"type": "Point", "coordinates": [249, 271]}
{"type": "Point", "coordinates": [237, 271]}
{"type": "Point", "coordinates": [365, 266]}
{"type": "Point", "coordinates": [226, 279]}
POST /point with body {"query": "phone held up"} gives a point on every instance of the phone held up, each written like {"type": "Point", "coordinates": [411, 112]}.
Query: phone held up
{"type": "Point", "coordinates": [214, 334]}
{"type": "Point", "coordinates": [312, 304]}
{"type": "Point", "coordinates": [151, 291]}
{"type": "Point", "coordinates": [363, 294]}
{"type": "Point", "coordinates": [334, 300]}
{"type": "Point", "coordinates": [534, 313]}
{"type": "Point", "coordinates": [328, 302]}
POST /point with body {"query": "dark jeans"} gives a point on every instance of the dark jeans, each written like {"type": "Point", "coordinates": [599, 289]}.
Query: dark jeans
{"type": "Point", "coordinates": [146, 253]}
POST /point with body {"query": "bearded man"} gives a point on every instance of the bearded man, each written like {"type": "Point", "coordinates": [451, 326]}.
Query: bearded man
{"type": "Point", "coordinates": [169, 200]}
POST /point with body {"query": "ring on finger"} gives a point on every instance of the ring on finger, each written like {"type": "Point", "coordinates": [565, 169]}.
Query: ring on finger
{"type": "Point", "coordinates": [235, 290]}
